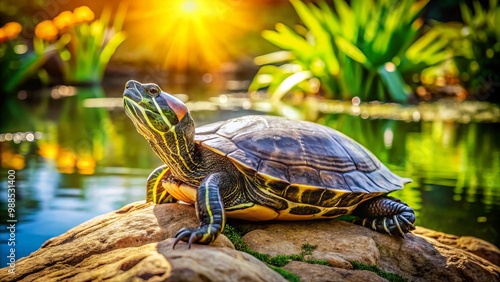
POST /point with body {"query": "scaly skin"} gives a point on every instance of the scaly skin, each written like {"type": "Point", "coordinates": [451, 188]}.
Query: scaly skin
{"type": "Point", "coordinates": [386, 215]}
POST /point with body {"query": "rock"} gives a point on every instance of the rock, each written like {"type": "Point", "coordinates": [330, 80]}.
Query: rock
{"type": "Point", "coordinates": [134, 243]}
{"type": "Point", "coordinates": [288, 238]}
{"type": "Point", "coordinates": [415, 257]}
{"type": "Point", "coordinates": [470, 244]}
{"type": "Point", "coordinates": [318, 273]}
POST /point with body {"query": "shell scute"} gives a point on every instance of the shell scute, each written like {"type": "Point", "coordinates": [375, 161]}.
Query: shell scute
{"type": "Point", "coordinates": [233, 127]}
{"type": "Point", "coordinates": [223, 145]}
{"type": "Point", "coordinates": [304, 174]}
{"type": "Point", "coordinates": [273, 169]}
{"type": "Point", "coordinates": [334, 180]}
{"type": "Point", "coordinates": [360, 157]}
{"type": "Point", "coordinates": [359, 182]}
{"type": "Point", "coordinates": [245, 158]}
{"type": "Point", "coordinates": [209, 128]}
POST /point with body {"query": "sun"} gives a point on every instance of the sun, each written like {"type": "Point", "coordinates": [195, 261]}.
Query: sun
{"type": "Point", "coordinates": [188, 34]}
{"type": "Point", "coordinates": [189, 7]}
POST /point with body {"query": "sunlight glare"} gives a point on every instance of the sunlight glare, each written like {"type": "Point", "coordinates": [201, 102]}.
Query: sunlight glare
{"type": "Point", "coordinates": [191, 34]}
{"type": "Point", "coordinates": [189, 6]}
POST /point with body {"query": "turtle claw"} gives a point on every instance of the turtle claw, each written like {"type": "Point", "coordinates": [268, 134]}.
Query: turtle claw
{"type": "Point", "coordinates": [201, 235]}
{"type": "Point", "coordinates": [185, 234]}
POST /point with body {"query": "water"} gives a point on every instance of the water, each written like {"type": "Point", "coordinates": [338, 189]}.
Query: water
{"type": "Point", "coordinates": [86, 160]}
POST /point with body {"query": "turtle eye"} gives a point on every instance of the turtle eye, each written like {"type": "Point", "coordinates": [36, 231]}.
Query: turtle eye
{"type": "Point", "coordinates": [154, 91]}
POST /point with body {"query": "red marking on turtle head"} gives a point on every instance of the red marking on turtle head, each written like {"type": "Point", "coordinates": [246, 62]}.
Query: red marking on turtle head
{"type": "Point", "coordinates": [180, 109]}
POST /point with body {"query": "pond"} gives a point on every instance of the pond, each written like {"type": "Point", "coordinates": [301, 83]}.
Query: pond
{"type": "Point", "coordinates": [76, 155]}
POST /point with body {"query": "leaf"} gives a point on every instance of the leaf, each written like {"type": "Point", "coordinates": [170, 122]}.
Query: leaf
{"type": "Point", "coordinates": [307, 17]}
{"type": "Point", "coordinates": [268, 70]}
{"type": "Point", "coordinates": [347, 18]}
{"type": "Point", "coordinates": [480, 14]}
{"type": "Point", "coordinates": [466, 13]}
{"type": "Point", "coordinates": [416, 10]}
{"type": "Point", "coordinates": [120, 17]}
{"type": "Point", "coordinates": [29, 64]}
{"type": "Point", "coordinates": [394, 82]}
{"type": "Point", "coordinates": [351, 50]}
{"type": "Point", "coordinates": [274, 57]}
{"type": "Point", "coordinates": [330, 19]}
{"type": "Point", "coordinates": [421, 44]}
{"type": "Point", "coordinates": [287, 39]}
{"type": "Point", "coordinates": [109, 50]}
{"type": "Point", "coordinates": [289, 83]}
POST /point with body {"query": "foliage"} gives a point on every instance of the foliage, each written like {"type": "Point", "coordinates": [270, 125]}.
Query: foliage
{"type": "Point", "coordinates": [359, 50]}
{"type": "Point", "coordinates": [286, 274]}
{"type": "Point", "coordinates": [235, 237]}
{"type": "Point", "coordinates": [387, 275]}
{"type": "Point", "coordinates": [476, 44]}
{"type": "Point", "coordinates": [17, 63]}
{"type": "Point", "coordinates": [84, 45]}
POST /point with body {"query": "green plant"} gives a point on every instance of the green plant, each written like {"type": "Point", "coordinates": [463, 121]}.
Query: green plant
{"type": "Point", "coordinates": [84, 45]}
{"type": "Point", "coordinates": [17, 63]}
{"type": "Point", "coordinates": [476, 44]}
{"type": "Point", "coordinates": [235, 237]}
{"type": "Point", "coordinates": [359, 50]}
{"type": "Point", "coordinates": [387, 275]}
{"type": "Point", "coordinates": [286, 274]}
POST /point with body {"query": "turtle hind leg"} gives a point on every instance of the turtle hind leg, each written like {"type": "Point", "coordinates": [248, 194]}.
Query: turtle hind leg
{"type": "Point", "coordinates": [155, 192]}
{"type": "Point", "coordinates": [386, 215]}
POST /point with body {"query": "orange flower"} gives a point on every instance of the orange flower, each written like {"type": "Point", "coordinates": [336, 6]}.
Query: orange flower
{"type": "Point", "coordinates": [83, 14]}
{"type": "Point", "coordinates": [12, 30]}
{"type": "Point", "coordinates": [3, 37]}
{"type": "Point", "coordinates": [46, 30]}
{"type": "Point", "coordinates": [64, 21]}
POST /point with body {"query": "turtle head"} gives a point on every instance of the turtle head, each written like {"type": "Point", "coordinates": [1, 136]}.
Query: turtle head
{"type": "Point", "coordinates": [153, 111]}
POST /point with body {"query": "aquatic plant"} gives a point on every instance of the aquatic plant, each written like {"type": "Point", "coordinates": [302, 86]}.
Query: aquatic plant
{"type": "Point", "coordinates": [84, 45]}
{"type": "Point", "coordinates": [361, 50]}
{"type": "Point", "coordinates": [17, 64]}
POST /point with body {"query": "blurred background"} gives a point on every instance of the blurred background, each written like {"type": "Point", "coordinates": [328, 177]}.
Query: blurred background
{"type": "Point", "coordinates": [416, 82]}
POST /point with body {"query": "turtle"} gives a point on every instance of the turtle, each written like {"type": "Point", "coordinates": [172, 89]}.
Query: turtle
{"type": "Point", "coordinates": [261, 168]}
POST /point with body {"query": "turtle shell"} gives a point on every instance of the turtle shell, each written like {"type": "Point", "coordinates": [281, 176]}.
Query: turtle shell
{"type": "Point", "coordinates": [298, 153]}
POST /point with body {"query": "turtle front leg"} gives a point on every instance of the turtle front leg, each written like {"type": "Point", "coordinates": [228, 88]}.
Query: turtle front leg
{"type": "Point", "coordinates": [209, 210]}
{"type": "Point", "coordinates": [155, 192]}
{"type": "Point", "coordinates": [386, 215]}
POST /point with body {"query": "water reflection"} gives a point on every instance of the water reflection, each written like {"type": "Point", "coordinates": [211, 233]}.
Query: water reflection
{"type": "Point", "coordinates": [88, 159]}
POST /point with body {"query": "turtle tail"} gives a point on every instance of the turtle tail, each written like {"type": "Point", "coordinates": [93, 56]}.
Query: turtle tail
{"type": "Point", "coordinates": [386, 215]}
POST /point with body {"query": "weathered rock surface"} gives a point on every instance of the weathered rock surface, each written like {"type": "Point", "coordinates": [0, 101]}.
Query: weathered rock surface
{"type": "Point", "coordinates": [320, 273]}
{"type": "Point", "coordinates": [134, 244]}
{"type": "Point", "coordinates": [416, 257]}
{"type": "Point", "coordinates": [474, 245]}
